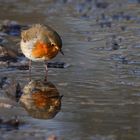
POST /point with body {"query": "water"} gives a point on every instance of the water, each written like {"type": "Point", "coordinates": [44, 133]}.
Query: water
{"type": "Point", "coordinates": [101, 86]}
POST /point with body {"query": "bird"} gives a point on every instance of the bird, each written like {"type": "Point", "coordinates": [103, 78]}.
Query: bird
{"type": "Point", "coordinates": [40, 43]}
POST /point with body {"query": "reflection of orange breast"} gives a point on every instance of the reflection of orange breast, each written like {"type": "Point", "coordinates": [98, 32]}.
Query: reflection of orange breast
{"type": "Point", "coordinates": [41, 100]}
{"type": "Point", "coordinates": [43, 50]}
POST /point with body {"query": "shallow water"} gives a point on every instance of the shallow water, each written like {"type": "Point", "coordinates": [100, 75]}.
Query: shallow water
{"type": "Point", "coordinates": [101, 87]}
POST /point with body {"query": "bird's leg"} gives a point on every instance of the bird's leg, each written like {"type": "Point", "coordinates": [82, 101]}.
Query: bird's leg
{"type": "Point", "coordinates": [46, 70]}
{"type": "Point", "coordinates": [30, 63]}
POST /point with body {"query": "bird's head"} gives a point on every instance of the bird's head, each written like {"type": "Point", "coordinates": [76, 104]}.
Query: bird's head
{"type": "Point", "coordinates": [43, 34]}
{"type": "Point", "coordinates": [55, 39]}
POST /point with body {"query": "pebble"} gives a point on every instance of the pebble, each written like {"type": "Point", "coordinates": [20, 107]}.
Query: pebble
{"type": "Point", "coordinates": [57, 65]}
{"type": "Point", "coordinates": [115, 45]}
{"type": "Point", "coordinates": [10, 124]}
{"type": "Point", "coordinates": [101, 4]}
{"type": "Point", "coordinates": [12, 28]}
{"type": "Point", "coordinates": [52, 137]}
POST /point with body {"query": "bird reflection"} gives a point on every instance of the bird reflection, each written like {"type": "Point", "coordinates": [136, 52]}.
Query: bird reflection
{"type": "Point", "coordinates": [41, 99]}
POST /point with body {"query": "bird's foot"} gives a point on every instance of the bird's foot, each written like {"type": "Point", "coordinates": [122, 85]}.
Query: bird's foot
{"type": "Point", "coordinates": [46, 71]}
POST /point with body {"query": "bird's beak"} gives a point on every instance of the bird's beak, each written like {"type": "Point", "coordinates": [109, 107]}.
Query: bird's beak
{"type": "Point", "coordinates": [61, 52]}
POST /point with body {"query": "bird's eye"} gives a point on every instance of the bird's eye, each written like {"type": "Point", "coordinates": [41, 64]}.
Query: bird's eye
{"type": "Point", "coordinates": [52, 45]}
{"type": "Point", "coordinates": [24, 40]}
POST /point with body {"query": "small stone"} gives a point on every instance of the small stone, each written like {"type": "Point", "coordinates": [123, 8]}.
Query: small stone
{"type": "Point", "coordinates": [101, 4]}
{"type": "Point", "coordinates": [52, 137]}
{"type": "Point", "coordinates": [115, 46]}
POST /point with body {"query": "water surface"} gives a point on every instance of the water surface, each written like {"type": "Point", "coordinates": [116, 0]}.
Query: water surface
{"type": "Point", "coordinates": [101, 86]}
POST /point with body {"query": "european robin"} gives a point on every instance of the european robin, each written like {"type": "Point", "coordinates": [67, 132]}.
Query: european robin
{"type": "Point", "coordinates": [40, 43]}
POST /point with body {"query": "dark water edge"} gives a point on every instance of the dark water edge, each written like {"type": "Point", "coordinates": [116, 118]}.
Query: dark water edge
{"type": "Point", "coordinates": [101, 87]}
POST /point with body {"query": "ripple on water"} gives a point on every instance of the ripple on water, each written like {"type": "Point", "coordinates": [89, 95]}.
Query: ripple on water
{"type": "Point", "coordinates": [101, 87]}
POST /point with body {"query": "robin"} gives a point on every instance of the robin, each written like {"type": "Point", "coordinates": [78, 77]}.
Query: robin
{"type": "Point", "coordinates": [40, 43]}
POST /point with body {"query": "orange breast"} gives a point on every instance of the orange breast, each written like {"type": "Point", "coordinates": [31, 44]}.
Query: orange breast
{"type": "Point", "coordinates": [43, 50]}
{"type": "Point", "coordinates": [40, 50]}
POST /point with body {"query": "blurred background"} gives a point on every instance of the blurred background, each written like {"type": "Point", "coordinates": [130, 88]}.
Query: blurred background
{"type": "Point", "coordinates": [101, 43]}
